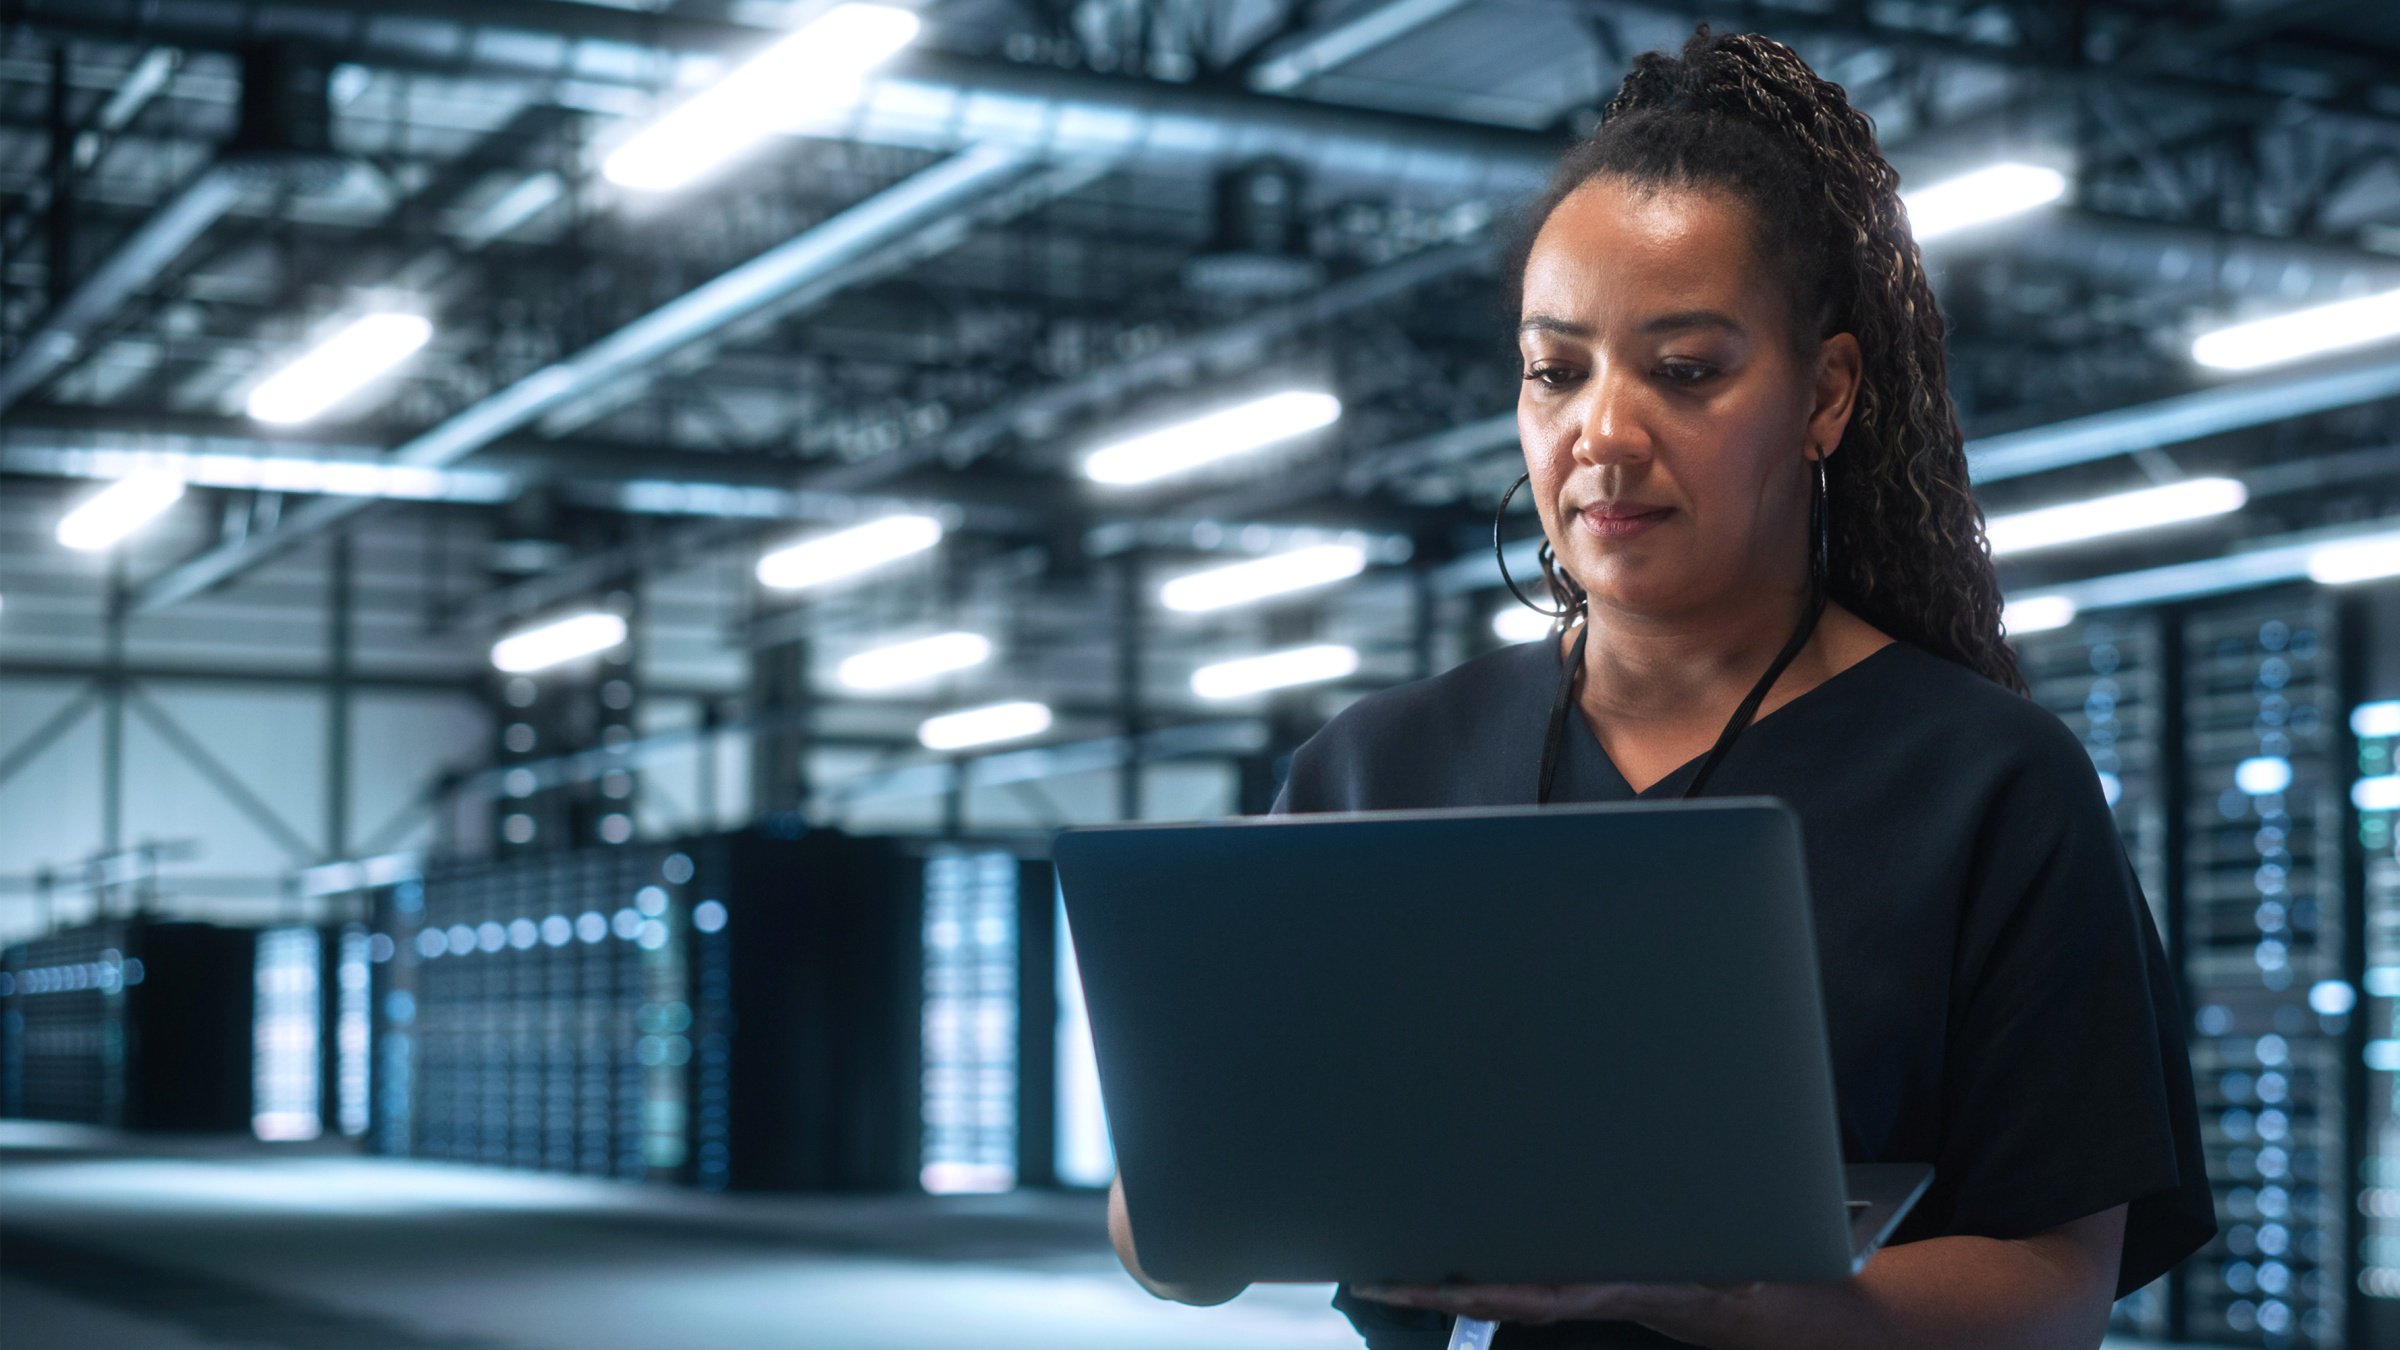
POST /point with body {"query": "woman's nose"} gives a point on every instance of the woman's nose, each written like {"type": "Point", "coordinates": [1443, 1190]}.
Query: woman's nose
{"type": "Point", "coordinates": [1610, 430]}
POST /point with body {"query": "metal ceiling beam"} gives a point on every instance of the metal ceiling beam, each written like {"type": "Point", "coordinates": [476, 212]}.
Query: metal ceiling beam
{"type": "Point", "coordinates": [610, 60]}
{"type": "Point", "coordinates": [2188, 64]}
{"type": "Point", "coordinates": [2252, 402]}
{"type": "Point", "coordinates": [2125, 251]}
{"type": "Point", "coordinates": [617, 47]}
{"type": "Point", "coordinates": [822, 260]}
{"type": "Point", "coordinates": [147, 252]}
{"type": "Point", "coordinates": [1235, 345]}
{"type": "Point", "coordinates": [2263, 563]}
{"type": "Point", "coordinates": [1240, 343]}
{"type": "Point", "coordinates": [1320, 52]}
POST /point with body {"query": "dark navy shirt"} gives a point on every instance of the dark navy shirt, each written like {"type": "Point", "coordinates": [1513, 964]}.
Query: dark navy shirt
{"type": "Point", "coordinates": [1997, 999]}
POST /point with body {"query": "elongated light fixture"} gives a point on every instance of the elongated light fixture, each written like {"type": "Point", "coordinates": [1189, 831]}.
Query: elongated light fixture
{"type": "Point", "coordinates": [1987, 194]}
{"type": "Point", "coordinates": [1519, 624]}
{"type": "Point", "coordinates": [366, 347]}
{"type": "Point", "coordinates": [848, 553]}
{"type": "Point", "coordinates": [820, 65]}
{"type": "Point", "coordinates": [2351, 561]}
{"type": "Point", "coordinates": [2036, 614]}
{"type": "Point", "coordinates": [1274, 670]}
{"type": "Point", "coordinates": [984, 726]}
{"type": "Point", "coordinates": [1279, 574]}
{"type": "Point", "coordinates": [115, 511]}
{"type": "Point", "coordinates": [905, 663]}
{"type": "Point", "coordinates": [553, 643]}
{"type": "Point", "coordinates": [2120, 513]}
{"type": "Point", "coordinates": [2302, 333]}
{"type": "Point", "coordinates": [1238, 430]}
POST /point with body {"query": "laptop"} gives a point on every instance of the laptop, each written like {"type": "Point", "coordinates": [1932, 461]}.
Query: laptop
{"type": "Point", "coordinates": [1490, 1045]}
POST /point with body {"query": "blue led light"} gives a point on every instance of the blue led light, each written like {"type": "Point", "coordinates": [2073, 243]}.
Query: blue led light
{"type": "Point", "coordinates": [2371, 721]}
{"type": "Point", "coordinates": [2332, 998]}
{"type": "Point", "coordinates": [708, 916]}
{"type": "Point", "coordinates": [2263, 775]}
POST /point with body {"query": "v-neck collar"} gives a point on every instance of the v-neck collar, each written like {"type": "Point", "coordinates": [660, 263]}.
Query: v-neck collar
{"type": "Point", "coordinates": [1587, 773]}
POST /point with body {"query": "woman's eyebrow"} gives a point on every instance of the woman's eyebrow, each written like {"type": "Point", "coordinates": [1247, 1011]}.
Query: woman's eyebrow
{"type": "Point", "coordinates": [1679, 321]}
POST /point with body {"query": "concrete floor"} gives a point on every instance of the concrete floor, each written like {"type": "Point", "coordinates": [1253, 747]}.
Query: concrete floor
{"type": "Point", "coordinates": [143, 1245]}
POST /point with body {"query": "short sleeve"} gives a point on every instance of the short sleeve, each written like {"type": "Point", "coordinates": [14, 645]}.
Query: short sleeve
{"type": "Point", "coordinates": [2067, 1086]}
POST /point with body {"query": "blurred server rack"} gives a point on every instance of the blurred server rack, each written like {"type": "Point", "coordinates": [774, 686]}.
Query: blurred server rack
{"type": "Point", "coordinates": [309, 1062]}
{"type": "Point", "coordinates": [2268, 954]}
{"type": "Point", "coordinates": [2375, 796]}
{"type": "Point", "coordinates": [136, 1022]}
{"type": "Point", "coordinates": [2106, 679]}
{"type": "Point", "coordinates": [733, 1011]}
{"type": "Point", "coordinates": [990, 1021]}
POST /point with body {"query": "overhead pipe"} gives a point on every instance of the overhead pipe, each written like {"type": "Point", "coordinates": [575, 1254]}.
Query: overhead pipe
{"type": "Point", "coordinates": [609, 60]}
{"type": "Point", "coordinates": [2183, 417]}
{"type": "Point", "coordinates": [596, 56]}
{"type": "Point", "coordinates": [925, 201]}
{"type": "Point", "coordinates": [60, 337]}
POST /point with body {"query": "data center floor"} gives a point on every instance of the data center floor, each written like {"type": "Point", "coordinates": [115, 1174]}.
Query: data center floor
{"type": "Point", "coordinates": [186, 1245]}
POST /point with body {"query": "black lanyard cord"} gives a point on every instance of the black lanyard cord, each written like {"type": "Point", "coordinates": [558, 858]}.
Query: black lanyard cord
{"type": "Point", "coordinates": [1564, 700]}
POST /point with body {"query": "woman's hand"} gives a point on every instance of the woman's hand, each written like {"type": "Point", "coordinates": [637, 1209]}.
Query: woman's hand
{"type": "Point", "coordinates": [1661, 1307]}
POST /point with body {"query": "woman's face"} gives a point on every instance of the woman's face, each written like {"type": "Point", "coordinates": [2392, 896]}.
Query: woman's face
{"type": "Point", "coordinates": [1665, 421]}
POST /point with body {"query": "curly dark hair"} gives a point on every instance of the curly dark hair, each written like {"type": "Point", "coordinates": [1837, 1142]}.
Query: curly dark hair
{"type": "Point", "coordinates": [1743, 114]}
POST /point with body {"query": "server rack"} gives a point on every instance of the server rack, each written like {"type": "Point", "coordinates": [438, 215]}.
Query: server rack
{"type": "Point", "coordinates": [735, 1010]}
{"type": "Point", "coordinates": [135, 1022]}
{"type": "Point", "coordinates": [2107, 680]}
{"type": "Point", "coordinates": [989, 1022]}
{"type": "Point", "coordinates": [2269, 951]}
{"type": "Point", "coordinates": [2375, 796]}
{"type": "Point", "coordinates": [310, 1039]}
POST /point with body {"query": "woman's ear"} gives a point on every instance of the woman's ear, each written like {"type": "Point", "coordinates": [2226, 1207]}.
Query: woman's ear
{"type": "Point", "coordinates": [1840, 367]}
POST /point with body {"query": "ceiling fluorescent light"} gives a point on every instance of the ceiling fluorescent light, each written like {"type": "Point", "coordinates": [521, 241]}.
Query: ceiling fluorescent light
{"type": "Point", "coordinates": [2301, 333]}
{"type": "Point", "coordinates": [338, 367]}
{"type": "Point", "coordinates": [1260, 578]}
{"type": "Point", "coordinates": [2036, 614]}
{"type": "Point", "coordinates": [553, 643]}
{"type": "Point", "coordinates": [2370, 559]}
{"type": "Point", "coordinates": [1238, 430]}
{"type": "Point", "coordinates": [119, 509]}
{"type": "Point", "coordinates": [906, 663]}
{"type": "Point", "coordinates": [848, 553]}
{"type": "Point", "coordinates": [1985, 195]}
{"type": "Point", "coordinates": [1519, 624]}
{"type": "Point", "coordinates": [1274, 670]}
{"type": "Point", "coordinates": [983, 726]}
{"type": "Point", "coordinates": [2122, 513]}
{"type": "Point", "coordinates": [821, 65]}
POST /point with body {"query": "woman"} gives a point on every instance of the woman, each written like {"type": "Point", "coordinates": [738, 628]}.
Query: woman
{"type": "Point", "coordinates": [1737, 435]}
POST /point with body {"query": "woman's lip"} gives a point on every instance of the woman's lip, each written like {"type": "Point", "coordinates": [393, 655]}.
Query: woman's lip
{"type": "Point", "coordinates": [1603, 525]}
{"type": "Point", "coordinates": [1621, 513]}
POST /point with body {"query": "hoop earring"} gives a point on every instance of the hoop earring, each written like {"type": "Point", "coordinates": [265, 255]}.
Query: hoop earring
{"type": "Point", "coordinates": [1500, 557]}
{"type": "Point", "coordinates": [1820, 565]}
